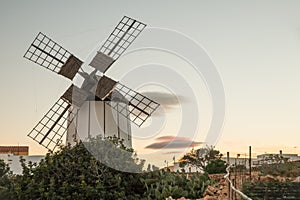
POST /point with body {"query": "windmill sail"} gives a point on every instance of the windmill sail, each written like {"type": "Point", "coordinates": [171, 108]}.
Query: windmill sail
{"type": "Point", "coordinates": [140, 106]}
{"type": "Point", "coordinates": [52, 56]}
{"type": "Point", "coordinates": [54, 125]}
{"type": "Point", "coordinates": [120, 96]}
{"type": "Point", "coordinates": [118, 41]}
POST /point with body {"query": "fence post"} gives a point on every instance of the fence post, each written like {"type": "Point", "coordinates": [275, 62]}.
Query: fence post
{"type": "Point", "coordinates": [233, 192]}
{"type": "Point", "coordinates": [228, 164]}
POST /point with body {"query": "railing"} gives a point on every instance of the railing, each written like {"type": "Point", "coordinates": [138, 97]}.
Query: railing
{"type": "Point", "coordinates": [232, 187]}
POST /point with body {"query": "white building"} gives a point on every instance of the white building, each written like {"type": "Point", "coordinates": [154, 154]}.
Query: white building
{"type": "Point", "coordinates": [260, 159]}
{"type": "Point", "coordinates": [267, 158]}
{"type": "Point", "coordinates": [187, 168]}
{"type": "Point", "coordinates": [14, 164]}
{"type": "Point", "coordinates": [240, 161]}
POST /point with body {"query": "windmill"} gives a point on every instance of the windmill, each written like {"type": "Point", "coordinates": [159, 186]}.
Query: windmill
{"type": "Point", "coordinates": [126, 102]}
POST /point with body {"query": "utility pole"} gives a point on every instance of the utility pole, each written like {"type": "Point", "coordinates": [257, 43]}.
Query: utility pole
{"type": "Point", "coordinates": [235, 176]}
{"type": "Point", "coordinates": [174, 160]}
{"type": "Point", "coordinates": [250, 163]}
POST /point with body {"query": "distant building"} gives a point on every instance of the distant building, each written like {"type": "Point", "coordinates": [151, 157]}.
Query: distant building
{"type": "Point", "coordinates": [266, 158]}
{"type": "Point", "coordinates": [255, 162]}
{"type": "Point", "coordinates": [187, 168]}
{"type": "Point", "coordinates": [14, 164]}
{"type": "Point", "coordinates": [261, 159]}
{"type": "Point", "coordinates": [240, 161]}
{"type": "Point", "coordinates": [15, 150]}
{"type": "Point", "coordinates": [11, 156]}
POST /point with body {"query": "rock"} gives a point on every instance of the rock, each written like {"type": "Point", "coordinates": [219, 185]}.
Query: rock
{"type": "Point", "coordinates": [267, 178]}
{"type": "Point", "coordinates": [297, 179]}
{"type": "Point", "coordinates": [208, 193]}
{"type": "Point", "coordinates": [281, 179]}
{"type": "Point", "coordinates": [210, 198]}
{"type": "Point", "coordinates": [223, 181]}
{"type": "Point", "coordinates": [212, 189]}
{"type": "Point", "coordinates": [182, 198]}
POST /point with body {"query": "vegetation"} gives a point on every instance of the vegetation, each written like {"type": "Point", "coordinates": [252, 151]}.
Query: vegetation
{"type": "Point", "coordinates": [276, 165]}
{"type": "Point", "coordinates": [162, 184]}
{"type": "Point", "coordinates": [216, 166]}
{"type": "Point", "coordinates": [205, 159]}
{"type": "Point", "coordinates": [4, 181]}
{"type": "Point", "coordinates": [272, 190]}
{"type": "Point", "coordinates": [74, 173]}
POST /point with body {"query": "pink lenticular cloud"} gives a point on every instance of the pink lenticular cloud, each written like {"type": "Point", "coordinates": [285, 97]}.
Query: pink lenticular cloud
{"type": "Point", "coordinates": [173, 142]}
{"type": "Point", "coordinates": [172, 137]}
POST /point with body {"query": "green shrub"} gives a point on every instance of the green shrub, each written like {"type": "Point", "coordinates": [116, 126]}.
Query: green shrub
{"type": "Point", "coordinates": [216, 166]}
{"type": "Point", "coordinates": [73, 173]}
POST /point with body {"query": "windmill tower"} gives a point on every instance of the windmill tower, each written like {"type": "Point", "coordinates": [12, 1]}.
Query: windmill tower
{"type": "Point", "coordinates": [99, 97]}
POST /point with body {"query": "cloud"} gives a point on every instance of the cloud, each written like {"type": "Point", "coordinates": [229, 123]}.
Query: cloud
{"type": "Point", "coordinates": [165, 99]}
{"type": "Point", "coordinates": [173, 142]}
{"type": "Point", "coordinates": [171, 137]}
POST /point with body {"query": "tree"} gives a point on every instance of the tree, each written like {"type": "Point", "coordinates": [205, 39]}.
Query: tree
{"type": "Point", "coordinates": [4, 181]}
{"type": "Point", "coordinates": [4, 169]}
{"type": "Point", "coordinates": [216, 166]}
{"type": "Point", "coordinates": [113, 153]}
{"type": "Point", "coordinates": [74, 173]}
{"type": "Point", "coordinates": [192, 158]}
{"type": "Point", "coordinates": [200, 158]}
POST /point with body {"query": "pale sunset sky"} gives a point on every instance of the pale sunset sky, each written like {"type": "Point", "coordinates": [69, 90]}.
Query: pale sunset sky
{"type": "Point", "coordinates": [254, 45]}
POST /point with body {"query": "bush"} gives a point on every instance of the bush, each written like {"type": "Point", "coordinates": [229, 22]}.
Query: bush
{"type": "Point", "coordinates": [4, 180]}
{"type": "Point", "coordinates": [162, 184]}
{"type": "Point", "coordinates": [216, 166]}
{"type": "Point", "coordinates": [73, 173]}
